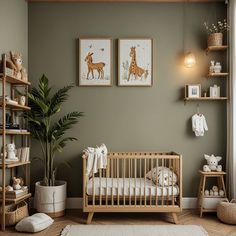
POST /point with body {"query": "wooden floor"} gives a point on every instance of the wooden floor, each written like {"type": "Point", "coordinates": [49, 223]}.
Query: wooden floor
{"type": "Point", "coordinates": [187, 217]}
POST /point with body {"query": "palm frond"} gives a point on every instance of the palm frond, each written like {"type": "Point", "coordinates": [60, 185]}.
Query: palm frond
{"type": "Point", "coordinates": [58, 98]}
{"type": "Point", "coordinates": [59, 145]}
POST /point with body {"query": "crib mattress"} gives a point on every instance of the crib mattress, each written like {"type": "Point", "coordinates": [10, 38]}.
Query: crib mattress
{"type": "Point", "coordinates": [129, 187]}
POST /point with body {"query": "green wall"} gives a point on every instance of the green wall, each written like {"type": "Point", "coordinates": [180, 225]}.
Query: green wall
{"type": "Point", "coordinates": [128, 119]}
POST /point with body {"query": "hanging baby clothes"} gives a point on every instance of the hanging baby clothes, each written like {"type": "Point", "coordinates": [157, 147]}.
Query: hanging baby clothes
{"type": "Point", "coordinates": [199, 124]}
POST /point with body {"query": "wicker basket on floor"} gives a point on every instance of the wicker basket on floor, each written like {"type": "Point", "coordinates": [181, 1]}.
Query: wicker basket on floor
{"type": "Point", "coordinates": [226, 211]}
{"type": "Point", "coordinates": [15, 213]}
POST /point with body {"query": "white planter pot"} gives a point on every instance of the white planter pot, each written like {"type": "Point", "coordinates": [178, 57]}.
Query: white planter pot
{"type": "Point", "coordinates": [51, 199]}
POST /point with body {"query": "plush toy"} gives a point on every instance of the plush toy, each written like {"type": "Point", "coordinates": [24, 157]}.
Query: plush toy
{"type": "Point", "coordinates": [221, 193]}
{"type": "Point", "coordinates": [211, 192]}
{"type": "Point", "coordinates": [11, 152]}
{"type": "Point", "coordinates": [206, 192]}
{"type": "Point", "coordinates": [17, 183]}
{"type": "Point", "coordinates": [21, 73]}
{"type": "Point", "coordinates": [212, 163]}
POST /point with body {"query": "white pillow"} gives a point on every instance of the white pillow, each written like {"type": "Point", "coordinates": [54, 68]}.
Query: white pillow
{"type": "Point", "coordinates": [162, 176]}
{"type": "Point", "coordinates": [34, 223]}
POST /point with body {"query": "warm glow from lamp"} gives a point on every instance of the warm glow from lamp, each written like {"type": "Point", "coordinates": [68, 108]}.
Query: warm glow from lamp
{"type": "Point", "coordinates": [189, 60]}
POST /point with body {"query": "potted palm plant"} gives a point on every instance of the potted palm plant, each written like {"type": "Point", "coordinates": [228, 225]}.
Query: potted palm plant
{"type": "Point", "coordinates": [50, 194]}
{"type": "Point", "coordinates": [215, 32]}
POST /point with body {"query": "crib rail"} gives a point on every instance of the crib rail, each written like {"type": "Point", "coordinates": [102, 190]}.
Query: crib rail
{"type": "Point", "coordinates": [123, 186]}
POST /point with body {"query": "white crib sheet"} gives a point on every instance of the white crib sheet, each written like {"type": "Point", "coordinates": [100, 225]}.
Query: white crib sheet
{"type": "Point", "coordinates": [128, 187]}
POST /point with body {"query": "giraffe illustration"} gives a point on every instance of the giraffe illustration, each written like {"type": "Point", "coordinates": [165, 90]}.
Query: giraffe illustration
{"type": "Point", "coordinates": [94, 66]}
{"type": "Point", "coordinates": [134, 69]}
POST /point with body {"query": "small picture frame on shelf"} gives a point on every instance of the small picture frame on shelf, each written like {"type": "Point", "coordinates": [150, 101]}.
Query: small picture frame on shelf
{"type": "Point", "coordinates": [193, 90]}
{"type": "Point", "coordinates": [215, 91]}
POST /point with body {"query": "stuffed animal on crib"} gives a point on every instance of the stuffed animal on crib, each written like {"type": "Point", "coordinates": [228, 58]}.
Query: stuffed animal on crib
{"type": "Point", "coordinates": [17, 183]}
{"type": "Point", "coordinates": [11, 155]}
{"type": "Point", "coordinates": [21, 73]}
{"type": "Point", "coordinates": [212, 163]}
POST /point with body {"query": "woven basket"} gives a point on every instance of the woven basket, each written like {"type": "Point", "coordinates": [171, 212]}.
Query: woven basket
{"type": "Point", "coordinates": [226, 211]}
{"type": "Point", "coordinates": [15, 213]}
{"type": "Point", "coordinates": [215, 39]}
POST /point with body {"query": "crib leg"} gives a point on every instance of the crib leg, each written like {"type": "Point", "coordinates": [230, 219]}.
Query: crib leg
{"type": "Point", "coordinates": [175, 217]}
{"type": "Point", "coordinates": [90, 217]}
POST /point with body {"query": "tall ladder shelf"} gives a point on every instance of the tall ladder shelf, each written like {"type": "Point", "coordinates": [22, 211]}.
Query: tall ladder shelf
{"type": "Point", "coordinates": [4, 133]}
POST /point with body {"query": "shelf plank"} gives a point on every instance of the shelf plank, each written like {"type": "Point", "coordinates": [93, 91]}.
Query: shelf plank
{"type": "Point", "coordinates": [218, 75]}
{"type": "Point", "coordinates": [217, 48]}
{"type": "Point", "coordinates": [14, 132]}
{"type": "Point", "coordinates": [206, 99]}
{"type": "Point", "coordinates": [15, 164]}
{"type": "Point", "coordinates": [17, 200]}
{"type": "Point", "coordinates": [14, 80]}
{"type": "Point", "coordinates": [15, 106]}
{"type": "Point", "coordinates": [212, 172]}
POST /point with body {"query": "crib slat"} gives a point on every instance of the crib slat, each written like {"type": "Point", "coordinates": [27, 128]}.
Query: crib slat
{"type": "Point", "coordinates": [140, 179]}
{"type": "Point", "coordinates": [172, 184]}
{"type": "Point", "coordinates": [144, 177]}
{"type": "Point", "coordinates": [162, 192]}
{"type": "Point", "coordinates": [124, 182]}
{"type": "Point", "coordinates": [135, 183]}
{"type": "Point", "coordinates": [107, 173]}
{"type": "Point", "coordinates": [93, 189]}
{"type": "Point", "coordinates": [117, 178]}
{"type": "Point", "coordinates": [156, 183]}
{"type": "Point", "coordinates": [129, 163]}
{"type": "Point", "coordinates": [100, 187]}
{"type": "Point", "coordinates": [112, 183]}
{"type": "Point", "coordinates": [151, 187]}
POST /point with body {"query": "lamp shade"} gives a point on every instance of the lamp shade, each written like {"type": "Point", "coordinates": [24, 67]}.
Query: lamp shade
{"type": "Point", "coordinates": [189, 60]}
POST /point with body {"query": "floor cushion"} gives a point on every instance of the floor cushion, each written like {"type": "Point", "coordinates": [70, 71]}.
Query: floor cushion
{"type": "Point", "coordinates": [34, 223]}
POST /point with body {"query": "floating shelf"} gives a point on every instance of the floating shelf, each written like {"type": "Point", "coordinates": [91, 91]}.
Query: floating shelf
{"type": "Point", "coordinates": [15, 164]}
{"type": "Point", "coordinates": [12, 132]}
{"type": "Point", "coordinates": [216, 48]}
{"type": "Point", "coordinates": [206, 99]}
{"type": "Point", "coordinates": [13, 80]}
{"type": "Point", "coordinates": [17, 200]}
{"type": "Point", "coordinates": [15, 107]}
{"type": "Point", "coordinates": [217, 75]}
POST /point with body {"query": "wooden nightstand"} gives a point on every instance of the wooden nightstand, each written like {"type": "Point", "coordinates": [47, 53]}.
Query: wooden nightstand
{"type": "Point", "coordinates": [202, 184]}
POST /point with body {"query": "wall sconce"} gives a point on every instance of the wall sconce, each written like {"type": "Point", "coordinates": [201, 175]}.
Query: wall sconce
{"type": "Point", "coordinates": [189, 60]}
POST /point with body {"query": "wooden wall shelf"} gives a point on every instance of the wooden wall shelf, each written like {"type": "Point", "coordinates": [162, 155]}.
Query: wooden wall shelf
{"type": "Point", "coordinates": [17, 200]}
{"type": "Point", "coordinates": [12, 132]}
{"type": "Point", "coordinates": [217, 48]}
{"type": "Point", "coordinates": [15, 107]}
{"type": "Point", "coordinates": [15, 164]}
{"type": "Point", "coordinates": [206, 99]}
{"type": "Point", "coordinates": [130, 1]}
{"type": "Point", "coordinates": [14, 80]}
{"type": "Point", "coordinates": [217, 75]}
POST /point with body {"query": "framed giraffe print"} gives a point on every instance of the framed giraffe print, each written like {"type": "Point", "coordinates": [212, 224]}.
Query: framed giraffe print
{"type": "Point", "coordinates": [135, 62]}
{"type": "Point", "coordinates": [95, 62]}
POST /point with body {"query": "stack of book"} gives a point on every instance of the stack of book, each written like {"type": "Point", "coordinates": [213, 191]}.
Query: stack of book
{"type": "Point", "coordinates": [23, 154]}
{"type": "Point", "coordinates": [15, 193]}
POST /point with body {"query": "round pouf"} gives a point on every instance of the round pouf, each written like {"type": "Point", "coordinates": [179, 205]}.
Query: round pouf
{"type": "Point", "coordinates": [226, 212]}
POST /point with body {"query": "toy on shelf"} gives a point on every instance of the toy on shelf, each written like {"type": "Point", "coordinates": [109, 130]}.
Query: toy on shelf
{"type": "Point", "coordinates": [21, 73]}
{"type": "Point", "coordinates": [214, 192]}
{"type": "Point", "coordinates": [17, 183]}
{"type": "Point", "coordinates": [212, 163]}
{"type": "Point", "coordinates": [11, 152]}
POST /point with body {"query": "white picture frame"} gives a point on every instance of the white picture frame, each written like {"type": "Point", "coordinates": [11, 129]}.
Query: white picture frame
{"type": "Point", "coordinates": [135, 62]}
{"type": "Point", "coordinates": [194, 90]}
{"type": "Point", "coordinates": [95, 61]}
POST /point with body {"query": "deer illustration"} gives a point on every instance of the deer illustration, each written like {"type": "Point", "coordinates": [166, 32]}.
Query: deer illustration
{"type": "Point", "coordinates": [134, 69]}
{"type": "Point", "coordinates": [94, 66]}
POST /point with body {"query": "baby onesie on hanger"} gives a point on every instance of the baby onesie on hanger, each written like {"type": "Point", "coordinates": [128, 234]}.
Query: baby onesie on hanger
{"type": "Point", "coordinates": [199, 124]}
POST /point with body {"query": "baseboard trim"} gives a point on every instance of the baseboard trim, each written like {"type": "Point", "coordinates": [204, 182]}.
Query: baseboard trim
{"type": "Point", "coordinates": [77, 203]}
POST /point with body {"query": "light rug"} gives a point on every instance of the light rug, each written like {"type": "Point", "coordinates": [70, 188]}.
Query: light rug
{"type": "Point", "coordinates": [133, 230]}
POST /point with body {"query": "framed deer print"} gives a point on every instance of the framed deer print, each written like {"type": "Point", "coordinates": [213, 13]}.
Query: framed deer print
{"type": "Point", "coordinates": [135, 62]}
{"type": "Point", "coordinates": [95, 66]}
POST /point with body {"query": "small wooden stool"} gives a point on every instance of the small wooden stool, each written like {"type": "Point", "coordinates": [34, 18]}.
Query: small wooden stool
{"type": "Point", "coordinates": [202, 184]}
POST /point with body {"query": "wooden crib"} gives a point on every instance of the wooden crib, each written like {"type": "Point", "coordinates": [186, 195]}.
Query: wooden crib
{"type": "Point", "coordinates": [123, 185]}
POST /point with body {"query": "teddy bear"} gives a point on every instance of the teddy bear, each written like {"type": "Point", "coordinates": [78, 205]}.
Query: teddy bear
{"type": "Point", "coordinates": [11, 155]}
{"type": "Point", "coordinates": [17, 183]}
{"type": "Point", "coordinates": [212, 163]}
{"type": "Point", "coordinates": [21, 73]}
